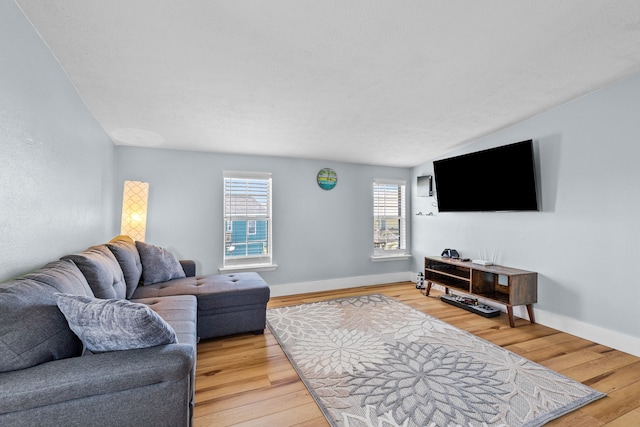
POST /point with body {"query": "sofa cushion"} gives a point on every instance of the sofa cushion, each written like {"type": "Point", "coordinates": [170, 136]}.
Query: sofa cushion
{"type": "Point", "coordinates": [227, 303]}
{"type": "Point", "coordinates": [221, 291]}
{"type": "Point", "coordinates": [180, 312]}
{"type": "Point", "coordinates": [158, 264]}
{"type": "Point", "coordinates": [110, 325]}
{"type": "Point", "coordinates": [102, 271]}
{"type": "Point", "coordinates": [214, 292]}
{"type": "Point", "coordinates": [125, 251]}
{"type": "Point", "coordinates": [32, 328]}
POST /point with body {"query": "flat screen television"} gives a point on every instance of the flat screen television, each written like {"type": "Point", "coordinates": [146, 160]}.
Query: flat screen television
{"type": "Point", "coordinates": [497, 179]}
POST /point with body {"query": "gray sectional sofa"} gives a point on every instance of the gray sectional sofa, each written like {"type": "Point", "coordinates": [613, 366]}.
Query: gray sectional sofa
{"type": "Point", "coordinates": [108, 336]}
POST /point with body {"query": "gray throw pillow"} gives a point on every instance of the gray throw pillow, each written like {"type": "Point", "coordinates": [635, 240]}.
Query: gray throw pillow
{"type": "Point", "coordinates": [124, 249]}
{"type": "Point", "coordinates": [158, 264]}
{"type": "Point", "coordinates": [110, 325]}
{"type": "Point", "coordinates": [32, 329]}
{"type": "Point", "coordinates": [102, 271]}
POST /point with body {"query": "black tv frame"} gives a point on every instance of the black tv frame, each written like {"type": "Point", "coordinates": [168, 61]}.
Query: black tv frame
{"type": "Point", "coordinates": [499, 179]}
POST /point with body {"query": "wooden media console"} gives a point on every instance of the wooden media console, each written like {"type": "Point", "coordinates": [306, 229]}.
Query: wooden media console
{"type": "Point", "coordinates": [504, 285]}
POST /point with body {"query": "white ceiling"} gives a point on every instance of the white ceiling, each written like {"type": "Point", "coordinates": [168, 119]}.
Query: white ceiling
{"type": "Point", "coordinates": [367, 81]}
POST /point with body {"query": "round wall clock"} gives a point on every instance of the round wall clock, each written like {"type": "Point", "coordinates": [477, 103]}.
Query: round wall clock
{"type": "Point", "coordinates": [327, 178]}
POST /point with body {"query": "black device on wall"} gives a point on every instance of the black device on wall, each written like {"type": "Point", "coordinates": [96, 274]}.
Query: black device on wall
{"type": "Point", "coordinates": [425, 186]}
{"type": "Point", "coordinates": [497, 179]}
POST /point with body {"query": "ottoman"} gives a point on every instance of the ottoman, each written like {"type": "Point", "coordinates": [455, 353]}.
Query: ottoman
{"type": "Point", "coordinates": [231, 303]}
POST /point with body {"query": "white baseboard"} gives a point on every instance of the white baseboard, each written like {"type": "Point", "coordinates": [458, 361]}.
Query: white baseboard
{"type": "Point", "coordinates": [341, 283]}
{"type": "Point", "coordinates": [613, 339]}
{"type": "Point", "coordinates": [575, 327]}
{"type": "Point", "coordinates": [559, 322]}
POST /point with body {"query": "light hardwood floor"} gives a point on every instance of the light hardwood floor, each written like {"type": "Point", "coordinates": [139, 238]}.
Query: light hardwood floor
{"type": "Point", "coordinates": [247, 380]}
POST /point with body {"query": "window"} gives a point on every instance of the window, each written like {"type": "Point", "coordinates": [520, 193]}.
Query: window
{"type": "Point", "coordinates": [251, 227]}
{"type": "Point", "coordinates": [389, 218]}
{"type": "Point", "coordinates": [247, 218]}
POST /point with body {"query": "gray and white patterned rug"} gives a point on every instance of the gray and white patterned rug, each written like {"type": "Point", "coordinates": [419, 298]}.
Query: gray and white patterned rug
{"type": "Point", "coordinates": [373, 361]}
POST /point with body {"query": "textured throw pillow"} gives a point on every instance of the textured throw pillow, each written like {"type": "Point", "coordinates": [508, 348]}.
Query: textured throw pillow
{"type": "Point", "coordinates": [32, 329]}
{"type": "Point", "coordinates": [158, 264]}
{"type": "Point", "coordinates": [102, 271]}
{"type": "Point", "coordinates": [124, 249]}
{"type": "Point", "coordinates": [109, 325]}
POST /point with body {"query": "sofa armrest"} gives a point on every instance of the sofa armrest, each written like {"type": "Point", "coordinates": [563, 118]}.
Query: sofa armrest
{"type": "Point", "coordinates": [74, 378]}
{"type": "Point", "coordinates": [189, 267]}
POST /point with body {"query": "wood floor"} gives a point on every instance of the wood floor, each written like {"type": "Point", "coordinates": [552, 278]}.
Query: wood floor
{"type": "Point", "coordinates": [248, 381]}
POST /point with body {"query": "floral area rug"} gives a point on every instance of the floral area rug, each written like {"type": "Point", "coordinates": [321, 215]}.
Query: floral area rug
{"type": "Point", "coordinates": [373, 361]}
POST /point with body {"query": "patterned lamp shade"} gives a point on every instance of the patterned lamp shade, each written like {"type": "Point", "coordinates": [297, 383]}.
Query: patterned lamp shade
{"type": "Point", "coordinates": [134, 209]}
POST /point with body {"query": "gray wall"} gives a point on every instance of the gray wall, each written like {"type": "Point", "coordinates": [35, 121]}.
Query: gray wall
{"type": "Point", "coordinates": [585, 242]}
{"type": "Point", "coordinates": [318, 234]}
{"type": "Point", "coordinates": [56, 173]}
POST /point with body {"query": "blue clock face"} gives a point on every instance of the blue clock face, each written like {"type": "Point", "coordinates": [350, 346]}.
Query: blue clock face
{"type": "Point", "coordinates": [327, 178]}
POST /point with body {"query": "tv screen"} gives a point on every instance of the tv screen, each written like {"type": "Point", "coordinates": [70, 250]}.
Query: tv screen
{"type": "Point", "coordinates": [497, 179]}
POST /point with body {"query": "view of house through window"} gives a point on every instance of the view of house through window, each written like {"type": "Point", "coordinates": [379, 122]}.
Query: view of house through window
{"type": "Point", "coordinates": [247, 218]}
{"type": "Point", "coordinates": [389, 217]}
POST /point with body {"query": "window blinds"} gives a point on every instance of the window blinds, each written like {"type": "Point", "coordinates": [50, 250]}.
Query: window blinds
{"type": "Point", "coordinates": [247, 217]}
{"type": "Point", "coordinates": [389, 216]}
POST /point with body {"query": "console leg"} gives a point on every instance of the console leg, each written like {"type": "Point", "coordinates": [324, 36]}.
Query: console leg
{"type": "Point", "coordinates": [428, 288]}
{"type": "Point", "coordinates": [530, 311]}
{"type": "Point", "coordinates": [510, 314]}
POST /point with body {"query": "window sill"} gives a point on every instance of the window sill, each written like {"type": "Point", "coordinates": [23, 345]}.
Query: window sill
{"type": "Point", "coordinates": [248, 267]}
{"type": "Point", "coordinates": [382, 258]}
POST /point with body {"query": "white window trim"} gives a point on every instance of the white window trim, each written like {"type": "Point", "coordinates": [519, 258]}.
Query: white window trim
{"type": "Point", "coordinates": [399, 254]}
{"type": "Point", "coordinates": [395, 257]}
{"type": "Point", "coordinates": [268, 265]}
{"type": "Point", "coordinates": [248, 267]}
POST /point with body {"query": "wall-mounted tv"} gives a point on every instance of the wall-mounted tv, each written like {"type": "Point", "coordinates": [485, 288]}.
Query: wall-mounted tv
{"type": "Point", "coordinates": [497, 179]}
